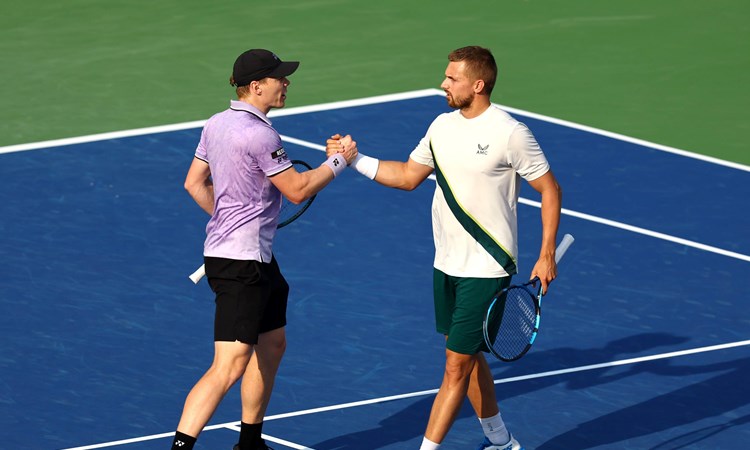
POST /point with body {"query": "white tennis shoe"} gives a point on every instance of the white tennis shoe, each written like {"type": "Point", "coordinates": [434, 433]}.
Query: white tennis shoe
{"type": "Point", "coordinates": [511, 445]}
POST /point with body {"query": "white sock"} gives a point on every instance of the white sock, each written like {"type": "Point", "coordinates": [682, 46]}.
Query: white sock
{"type": "Point", "coordinates": [494, 429]}
{"type": "Point", "coordinates": [429, 445]}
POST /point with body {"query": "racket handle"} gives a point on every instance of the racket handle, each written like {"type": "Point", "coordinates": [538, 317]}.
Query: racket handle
{"type": "Point", "coordinates": [567, 240]}
{"type": "Point", "coordinates": [196, 276]}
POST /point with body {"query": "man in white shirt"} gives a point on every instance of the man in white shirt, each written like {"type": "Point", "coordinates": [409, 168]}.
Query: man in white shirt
{"type": "Point", "coordinates": [479, 154]}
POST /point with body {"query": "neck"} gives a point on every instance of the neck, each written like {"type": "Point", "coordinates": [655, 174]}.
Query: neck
{"type": "Point", "coordinates": [253, 101]}
{"type": "Point", "coordinates": [477, 107]}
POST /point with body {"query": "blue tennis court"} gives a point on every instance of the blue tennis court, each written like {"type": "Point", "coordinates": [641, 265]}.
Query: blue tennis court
{"type": "Point", "coordinates": [643, 342]}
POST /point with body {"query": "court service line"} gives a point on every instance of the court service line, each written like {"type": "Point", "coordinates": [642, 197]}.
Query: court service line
{"type": "Point", "coordinates": [583, 216]}
{"type": "Point", "coordinates": [643, 231]}
{"type": "Point", "coordinates": [518, 378]}
{"type": "Point", "coordinates": [235, 425]}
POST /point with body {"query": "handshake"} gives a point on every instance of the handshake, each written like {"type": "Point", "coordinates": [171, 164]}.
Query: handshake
{"type": "Point", "coordinates": [344, 145]}
{"type": "Point", "coordinates": [348, 148]}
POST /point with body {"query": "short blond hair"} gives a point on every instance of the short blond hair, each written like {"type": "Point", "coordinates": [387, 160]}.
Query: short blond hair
{"type": "Point", "coordinates": [480, 64]}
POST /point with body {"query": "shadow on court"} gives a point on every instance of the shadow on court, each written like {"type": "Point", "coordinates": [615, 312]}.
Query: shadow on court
{"type": "Point", "coordinates": [700, 435]}
{"type": "Point", "coordinates": [713, 397]}
{"type": "Point", "coordinates": [409, 423]}
{"type": "Point", "coordinates": [402, 426]}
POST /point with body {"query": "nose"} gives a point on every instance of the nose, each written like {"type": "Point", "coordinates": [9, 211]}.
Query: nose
{"type": "Point", "coordinates": [286, 81]}
{"type": "Point", "coordinates": [444, 85]}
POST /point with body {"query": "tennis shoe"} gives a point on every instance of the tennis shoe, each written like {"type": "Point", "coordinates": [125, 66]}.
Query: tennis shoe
{"type": "Point", "coordinates": [511, 445]}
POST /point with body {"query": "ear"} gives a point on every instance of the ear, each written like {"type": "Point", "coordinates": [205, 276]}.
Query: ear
{"type": "Point", "coordinates": [478, 86]}
{"type": "Point", "coordinates": [255, 87]}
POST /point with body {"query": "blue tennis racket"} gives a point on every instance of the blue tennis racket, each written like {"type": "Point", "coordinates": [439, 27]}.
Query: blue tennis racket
{"type": "Point", "coordinates": [512, 320]}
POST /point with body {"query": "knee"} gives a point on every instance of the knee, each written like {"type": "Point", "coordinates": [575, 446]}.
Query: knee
{"type": "Point", "coordinates": [273, 344]}
{"type": "Point", "coordinates": [227, 373]}
{"type": "Point", "coordinates": [458, 368]}
{"type": "Point", "coordinates": [278, 347]}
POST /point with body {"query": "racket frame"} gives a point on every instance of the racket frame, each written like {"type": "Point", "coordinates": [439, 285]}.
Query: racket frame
{"type": "Point", "coordinates": [308, 202]}
{"type": "Point", "coordinates": [566, 242]}
{"type": "Point", "coordinates": [537, 312]}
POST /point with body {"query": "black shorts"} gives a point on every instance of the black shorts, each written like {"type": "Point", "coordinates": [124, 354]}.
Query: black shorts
{"type": "Point", "coordinates": [251, 298]}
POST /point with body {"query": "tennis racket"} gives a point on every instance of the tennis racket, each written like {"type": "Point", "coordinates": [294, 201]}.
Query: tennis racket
{"type": "Point", "coordinates": [288, 213]}
{"type": "Point", "coordinates": [512, 320]}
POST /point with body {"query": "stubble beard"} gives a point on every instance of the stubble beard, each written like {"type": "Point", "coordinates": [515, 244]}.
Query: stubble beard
{"type": "Point", "coordinates": [459, 102]}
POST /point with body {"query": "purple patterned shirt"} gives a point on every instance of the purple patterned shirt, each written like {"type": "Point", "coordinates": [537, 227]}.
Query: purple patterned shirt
{"type": "Point", "coordinates": [242, 150]}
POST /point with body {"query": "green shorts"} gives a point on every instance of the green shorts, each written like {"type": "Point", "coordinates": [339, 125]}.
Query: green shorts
{"type": "Point", "coordinates": [460, 306]}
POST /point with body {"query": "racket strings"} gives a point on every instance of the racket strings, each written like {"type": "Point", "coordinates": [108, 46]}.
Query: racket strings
{"type": "Point", "coordinates": [517, 325]}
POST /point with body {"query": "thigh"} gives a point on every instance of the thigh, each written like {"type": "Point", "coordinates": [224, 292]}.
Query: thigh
{"type": "Point", "coordinates": [473, 296]}
{"type": "Point", "coordinates": [444, 296]}
{"type": "Point", "coordinates": [274, 316]}
{"type": "Point", "coordinates": [243, 290]}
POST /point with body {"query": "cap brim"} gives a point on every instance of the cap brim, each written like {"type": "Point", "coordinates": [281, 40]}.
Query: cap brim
{"type": "Point", "coordinates": [284, 69]}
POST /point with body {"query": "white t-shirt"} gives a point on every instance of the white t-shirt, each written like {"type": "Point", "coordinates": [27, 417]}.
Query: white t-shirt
{"type": "Point", "coordinates": [482, 160]}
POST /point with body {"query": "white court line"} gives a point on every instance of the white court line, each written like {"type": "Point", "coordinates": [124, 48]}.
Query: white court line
{"type": "Point", "coordinates": [581, 215]}
{"type": "Point", "coordinates": [199, 123]}
{"type": "Point", "coordinates": [643, 231]}
{"type": "Point", "coordinates": [235, 426]}
{"type": "Point", "coordinates": [511, 379]}
{"type": "Point", "coordinates": [396, 97]}
{"type": "Point", "coordinates": [419, 94]}
{"type": "Point", "coordinates": [622, 362]}
{"type": "Point", "coordinates": [585, 216]}
{"type": "Point", "coordinates": [362, 102]}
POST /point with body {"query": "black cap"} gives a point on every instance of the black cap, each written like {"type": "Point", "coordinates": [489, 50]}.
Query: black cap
{"type": "Point", "coordinates": [257, 64]}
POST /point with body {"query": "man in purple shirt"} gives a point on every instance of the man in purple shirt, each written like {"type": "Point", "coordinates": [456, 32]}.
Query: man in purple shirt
{"type": "Point", "coordinates": [238, 175]}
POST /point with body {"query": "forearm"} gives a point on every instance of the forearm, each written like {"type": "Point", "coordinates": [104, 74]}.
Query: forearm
{"type": "Point", "coordinates": [550, 214]}
{"type": "Point", "coordinates": [300, 186]}
{"type": "Point", "coordinates": [395, 174]}
{"type": "Point", "coordinates": [310, 183]}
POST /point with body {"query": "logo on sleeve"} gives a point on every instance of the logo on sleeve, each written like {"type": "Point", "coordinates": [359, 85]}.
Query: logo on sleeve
{"type": "Point", "coordinates": [482, 150]}
{"type": "Point", "coordinates": [279, 155]}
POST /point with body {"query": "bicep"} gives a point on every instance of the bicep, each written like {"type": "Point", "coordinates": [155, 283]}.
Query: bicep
{"type": "Point", "coordinates": [416, 172]}
{"type": "Point", "coordinates": [547, 183]}
{"type": "Point", "coordinates": [198, 173]}
{"type": "Point", "coordinates": [286, 181]}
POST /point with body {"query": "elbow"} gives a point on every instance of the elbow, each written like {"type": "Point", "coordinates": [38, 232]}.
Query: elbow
{"type": "Point", "coordinates": [296, 198]}
{"type": "Point", "coordinates": [408, 185]}
{"type": "Point", "coordinates": [189, 187]}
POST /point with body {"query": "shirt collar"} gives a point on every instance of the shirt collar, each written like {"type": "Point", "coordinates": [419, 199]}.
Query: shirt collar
{"type": "Point", "coordinates": [242, 106]}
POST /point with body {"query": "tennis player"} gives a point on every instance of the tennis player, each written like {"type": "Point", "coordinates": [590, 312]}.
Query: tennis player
{"type": "Point", "coordinates": [479, 153]}
{"type": "Point", "coordinates": [238, 175]}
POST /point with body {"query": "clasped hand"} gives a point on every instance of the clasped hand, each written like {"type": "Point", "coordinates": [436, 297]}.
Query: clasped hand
{"type": "Point", "coordinates": [344, 145]}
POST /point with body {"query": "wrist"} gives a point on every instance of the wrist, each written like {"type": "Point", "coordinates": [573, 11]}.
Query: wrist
{"type": "Point", "coordinates": [366, 165]}
{"type": "Point", "coordinates": [337, 164]}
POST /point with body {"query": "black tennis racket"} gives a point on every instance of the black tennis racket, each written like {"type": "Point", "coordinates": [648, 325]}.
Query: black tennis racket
{"type": "Point", "coordinates": [288, 213]}
{"type": "Point", "coordinates": [512, 320]}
